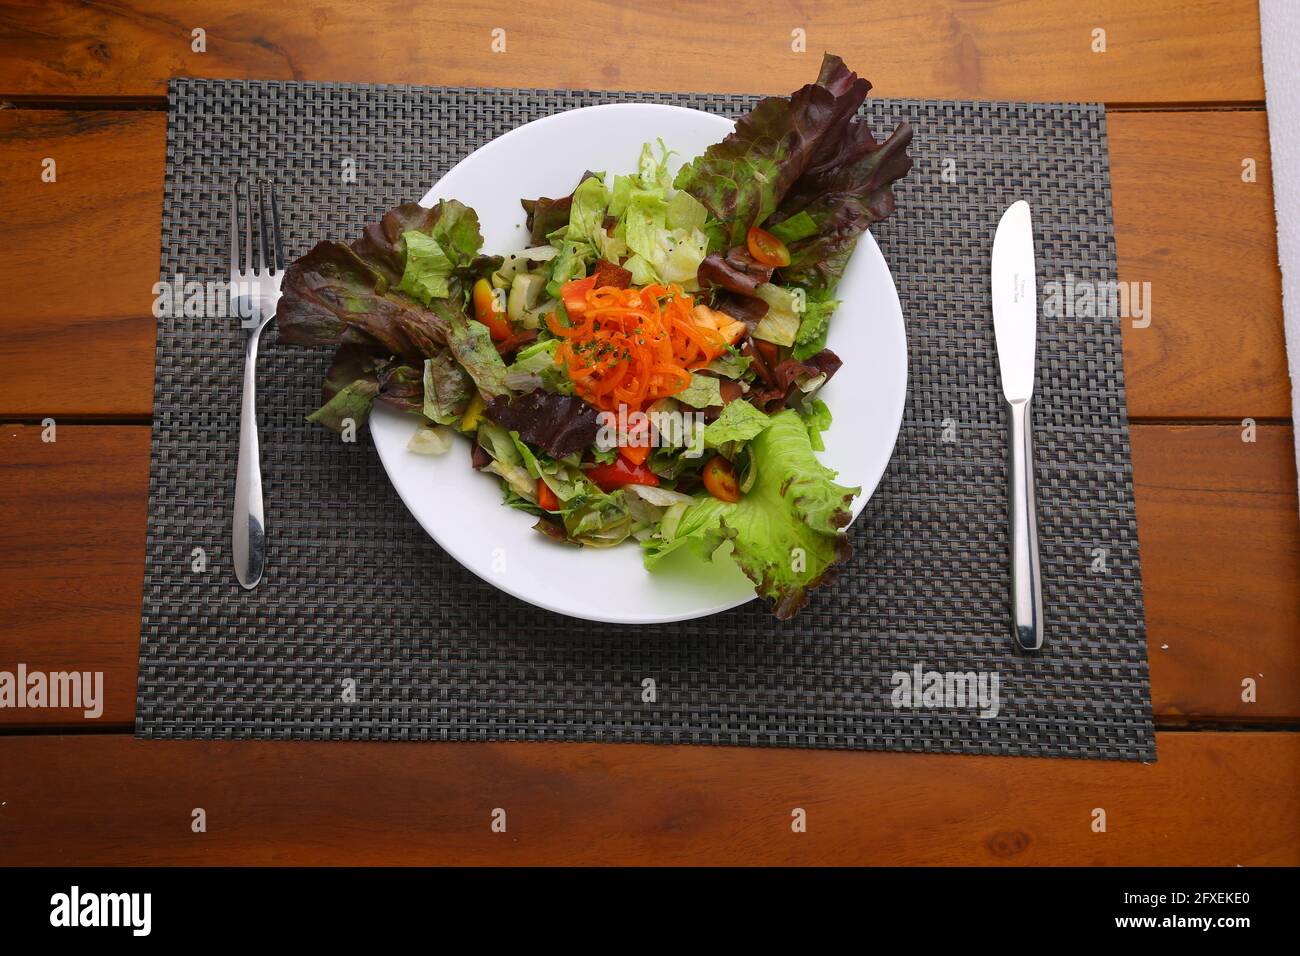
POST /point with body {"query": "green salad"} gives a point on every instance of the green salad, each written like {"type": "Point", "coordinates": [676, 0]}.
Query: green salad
{"type": "Point", "coordinates": [646, 367]}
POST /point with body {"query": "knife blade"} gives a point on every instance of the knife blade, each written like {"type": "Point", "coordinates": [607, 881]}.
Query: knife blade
{"type": "Point", "coordinates": [1015, 329]}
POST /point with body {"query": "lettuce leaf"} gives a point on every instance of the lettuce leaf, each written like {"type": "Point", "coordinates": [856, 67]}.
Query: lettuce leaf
{"type": "Point", "coordinates": [571, 263]}
{"type": "Point", "coordinates": [451, 224]}
{"type": "Point", "coordinates": [664, 233]}
{"type": "Point", "coordinates": [583, 238]}
{"type": "Point", "coordinates": [390, 300]}
{"type": "Point", "coordinates": [535, 367]}
{"type": "Point", "coordinates": [847, 188]}
{"type": "Point", "coordinates": [704, 391]}
{"type": "Point", "coordinates": [597, 520]}
{"type": "Point", "coordinates": [685, 212]}
{"type": "Point", "coordinates": [787, 531]}
{"type": "Point", "coordinates": [545, 216]}
{"type": "Point", "coordinates": [814, 323]}
{"type": "Point", "coordinates": [643, 222]}
{"type": "Point", "coordinates": [799, 226]}
{"type": "Point", "coordinates": [427, 268]}
{"type": "Point", "coordinates": [699, 528]}
{"type": "Point", "coordinates": [730, 364]}
{"type": "Point", "coordinates": [402, 387]}
{"type": "Point", "coordinates": [780, 324]}
{"type": "Point", "coordinates": [397, 386]}
{"type": "Point", "coordinates": [843, 202]}
{"type": "Point", "coordinates": [471, 344]}
{"type": "Point", "coordinates": [652, 172]}
{"type": "Point", "coordinates": [742, 180]}
{"type": "Point", "coordinates": [739, 421]}
{"type": "Point", "coordinates": [356, 379]}
{"type": "Point", "coordinates": [331, 296]}
{"type": "Point", "coordinates": [587, 212]}
{"type": "Point", "coordinates": [811, 173]}
{"type": "Point", "coordinates": [558, 424]}
{"type": "Point", "coordinates": [350, 403]}
{"type": "Point", "coordinates": [794, 382]}
{"type": "Point", "coordinates": [817, 418]}
{"type": "Point", "coordinates": [447, 389]}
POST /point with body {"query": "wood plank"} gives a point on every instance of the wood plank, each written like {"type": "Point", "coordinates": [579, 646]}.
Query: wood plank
{"type": "Point", "coordinates": [1188, 362]}
{"type": "Point", "coordinates": [1211, 799]}
{"type": "Point", "coordinates": [81, 258]}
{"type": "Point", "coordinates": [1217, 520]}
{"type": "Point", "coordinates": [1219, 530]}
{"type": "Point", "coordinates": [1206, 241]}
{"type": "Point", "coordinates": [72, 561]}
{"type": "Point", "coordinates": [1156, 51]}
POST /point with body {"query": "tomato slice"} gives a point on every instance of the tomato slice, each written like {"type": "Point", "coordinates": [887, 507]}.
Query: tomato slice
{"type": "Point", "coordinates": [485, 310]}
{"type": "Point", "coordinates": [637, 453]}
{"type": "Point", "coordinates": [574, 293]}
{"type": "Point", "coordinates": [720, 479]}
{"type": "Point", "coordinates": [620, 472]}
{"type": "Point", "coordinates": [546, 499]}
{"type": "Point", "coordinates": [767, 248]}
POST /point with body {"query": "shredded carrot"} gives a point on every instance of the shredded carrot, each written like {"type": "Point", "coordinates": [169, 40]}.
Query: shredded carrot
{"type": "Point", "coordinates": [631, 346]}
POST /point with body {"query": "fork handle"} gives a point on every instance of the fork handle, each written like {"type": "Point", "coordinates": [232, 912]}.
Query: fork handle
{"type": "Point", "coordinates": [249, 530]}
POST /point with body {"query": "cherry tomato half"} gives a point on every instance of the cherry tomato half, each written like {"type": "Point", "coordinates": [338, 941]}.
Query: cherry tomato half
{"type": "Point", "coordinates": [720, 479]}
{"type": "Point", "coordinates": [485, 310]}
{"type": "Point", "coordinates": [767, 248]}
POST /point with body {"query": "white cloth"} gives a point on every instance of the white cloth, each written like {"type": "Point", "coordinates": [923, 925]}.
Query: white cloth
{"type": "Point", "coordinates": [1279, 27]}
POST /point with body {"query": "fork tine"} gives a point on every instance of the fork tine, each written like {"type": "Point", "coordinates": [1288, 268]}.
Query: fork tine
{"type": "Point", "coordinates": [234, 226]}
{"type": "Point", "coordinates": [248, 226]}
{"type": "Point", "coordinates": [281, 262]}
{"type": "Point", "coordinates": [263, 240]}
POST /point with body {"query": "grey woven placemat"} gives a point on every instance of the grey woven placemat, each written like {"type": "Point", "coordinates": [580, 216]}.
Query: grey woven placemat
{"type": "Point", "coordinates": [357, 596]}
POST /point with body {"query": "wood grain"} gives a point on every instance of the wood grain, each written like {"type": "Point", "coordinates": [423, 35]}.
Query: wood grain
{"type": "Point", "coordinates": [1206, 241]}
{"type": "Point", "coordinates": [1156, 51]}
{"type": "Point", "coordinates": [1219, 532]}
{"type": "Point", "coordinates": [1217, 517]}
{"type": "Point", "coordinates": [72, 560]}
{"type": "Point", "coordinates": [1217, 521]}
{"type": "Point", "coordinates": [1201, 259]}
{"type": "Point", "coordinates": [1211, 799]}
{"type": "Point", "coordinates": [81, 258]}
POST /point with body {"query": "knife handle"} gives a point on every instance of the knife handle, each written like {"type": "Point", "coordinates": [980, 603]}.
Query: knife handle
{"type": "Point", "coordinates": [1026, 582]}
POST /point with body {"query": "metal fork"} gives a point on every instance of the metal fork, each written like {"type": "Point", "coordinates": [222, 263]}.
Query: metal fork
{"type": "Point", "coordinates": [254, 292]}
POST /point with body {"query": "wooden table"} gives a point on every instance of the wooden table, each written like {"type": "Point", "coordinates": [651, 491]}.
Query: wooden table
{"type": "Point", "coordinates": [85, 84]}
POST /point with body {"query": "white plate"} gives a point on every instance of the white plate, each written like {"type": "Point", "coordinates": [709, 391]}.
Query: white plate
{"type": "Point", "coordinates": [462, 508]}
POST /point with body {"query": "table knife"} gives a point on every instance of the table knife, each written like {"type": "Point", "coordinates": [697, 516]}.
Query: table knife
{"type": "Point", "coordinates": [1015, 326]}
